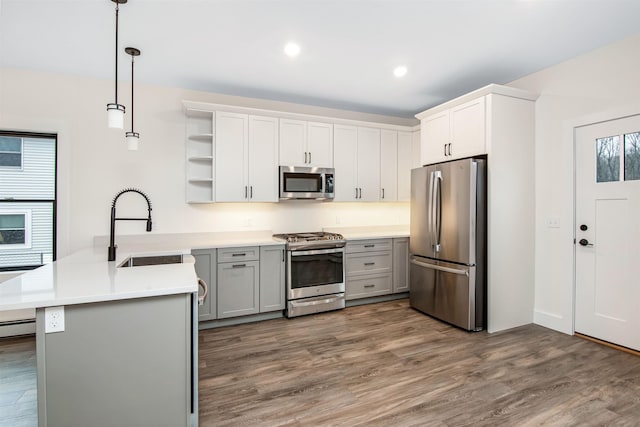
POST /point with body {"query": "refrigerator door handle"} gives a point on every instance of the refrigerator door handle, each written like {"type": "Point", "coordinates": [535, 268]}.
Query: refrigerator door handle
{"type": "Point", "coordinates": [431, 210]}
{"type": "Point", "coordinates": [437, 206]}
{"type": "Point", "coordinates": [440, 268]}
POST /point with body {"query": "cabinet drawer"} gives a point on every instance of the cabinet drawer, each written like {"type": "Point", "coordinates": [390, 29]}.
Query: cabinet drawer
{"type": "Point", "coordinates": [248, 253]}
{"type": "Point", "coordinates": [369, 263]}
{"type": "Point", "coordinates": [368, 245]}
{"type": "Point", "coordinates": [368, 286]}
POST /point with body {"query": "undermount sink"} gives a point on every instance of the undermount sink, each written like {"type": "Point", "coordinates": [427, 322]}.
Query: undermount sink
{"type": "Point", "coordinates": [137, 261]}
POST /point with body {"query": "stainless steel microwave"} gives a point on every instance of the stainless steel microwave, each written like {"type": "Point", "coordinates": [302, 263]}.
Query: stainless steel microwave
{"type": "Point", "coordinates": [298, 182]}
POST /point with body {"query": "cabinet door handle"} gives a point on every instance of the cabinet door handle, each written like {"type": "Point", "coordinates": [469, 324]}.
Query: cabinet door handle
{"type": "Point", "coordinates": [251, 192]}
{"type": "Point", "coordinates": [369, 246]}
{"type": "Point", "coordinates": [305, 158]}
{"type": "Point", "coordinates": [383, 193]}
{"type": "Point", "coordinates": [205, 291]}
{"type": "Point", "coordinates": [309, 157]}
{"type": "Point", "coordinates": [245, 191]}
{"type": "Point", "coordinates": [239, 254]}
{"type": "Point", "coordinates": [360, 193]}
{"type": "Point", "coordinates": [283, 255]}
{"type": "Point", "coordinates": [369, 263]}
{"type": "Point", "coordinates": [445, 150]}
{"type": "Point", "coordinates": [356, 192]}
{"type": "Point", "coordinates": [369, 286]}
{"type": "Point", "coordinates": [238, 265]}
{"type": "Point", "coordinates": [449, 148]}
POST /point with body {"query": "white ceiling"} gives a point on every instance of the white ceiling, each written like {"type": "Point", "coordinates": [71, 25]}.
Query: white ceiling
{"type": "Point", "coordinates": [349, 47]}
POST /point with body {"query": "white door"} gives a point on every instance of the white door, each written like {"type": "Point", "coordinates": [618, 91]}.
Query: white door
{"type": "Point", "coordinates": [608, 231]}
{"type": "Point", "coordinates": [389, 165]}
{"type": "Point", "coordinates": [293, 142]}
{"type": "Point", "coordinates": [320, 144]}
{"type": "Point", "coordinates": [263, 159]}
{"type": "Point", "coordinates": [345, 161]}
{"type": "Point", "coordinates": [467, 129]}
{"type": "Point", "coordinates": [368, 164]}
{"type": "Point", "coordinates": [435, 133]}
{"type": "Point", "coordinates": [230, 157]}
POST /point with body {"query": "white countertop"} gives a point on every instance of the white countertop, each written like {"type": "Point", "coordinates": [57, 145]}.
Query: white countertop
{"type": "Point", "coordinates": [371, 232]}
{"type": "Point", "coordinates": [86, 276]}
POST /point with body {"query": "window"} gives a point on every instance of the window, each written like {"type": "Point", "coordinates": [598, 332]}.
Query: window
{"type": "Point", "coordinates": [618, 158]}
{"type": "Point", "coordinates": [27, 200]}
{"type": "Point", "coordinates": [15, 229]}
{"type": "Point", "coordinates": [10, 151]}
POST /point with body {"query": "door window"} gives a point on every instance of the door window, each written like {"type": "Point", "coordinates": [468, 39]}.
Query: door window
{"type": "Point", "coordinates": [615, 162]}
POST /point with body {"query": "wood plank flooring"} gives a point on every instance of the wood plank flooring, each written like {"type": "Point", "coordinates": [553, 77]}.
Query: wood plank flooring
{"type": "Point", "coordinates": [18, 397]}
{"type": "Point", "coordinates": [388, 365]}
{"type": "Point", "coordinates": [384, 365]}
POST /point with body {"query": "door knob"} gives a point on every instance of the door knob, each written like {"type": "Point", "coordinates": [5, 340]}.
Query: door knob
{"type": "Point", "coordinates": [584, 227]}
{"type": "Point", "coordinates": [584, 242]}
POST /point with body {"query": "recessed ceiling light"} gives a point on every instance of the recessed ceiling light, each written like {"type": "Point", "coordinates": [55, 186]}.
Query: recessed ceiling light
{"type": "Point", "coordinates": [292, 49]}
{"type": "Point", "coordinates": [400, 71]}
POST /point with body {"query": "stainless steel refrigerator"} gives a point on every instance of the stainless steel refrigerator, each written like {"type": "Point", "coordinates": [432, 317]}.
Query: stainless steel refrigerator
{"type": "Point", "coordinates": [448, 242]}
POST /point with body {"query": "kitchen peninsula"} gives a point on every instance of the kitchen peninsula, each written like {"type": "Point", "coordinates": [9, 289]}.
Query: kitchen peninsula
{"type": "Point", "coordinates": [115, 345]}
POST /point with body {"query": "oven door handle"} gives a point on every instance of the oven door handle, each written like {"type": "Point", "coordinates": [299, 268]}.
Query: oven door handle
{"type": "Point", "coordinates": [316, 301]}
{"type": "Point", "coordinates": [317, 252]}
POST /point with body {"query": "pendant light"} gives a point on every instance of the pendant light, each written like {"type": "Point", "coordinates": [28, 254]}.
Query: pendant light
{"type": "Point", "coordinates": [115, 111]}
{"type": "Point", "coordinates": [133, 138]}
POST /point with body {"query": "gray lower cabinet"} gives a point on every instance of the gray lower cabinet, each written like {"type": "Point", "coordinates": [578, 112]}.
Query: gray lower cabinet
{"type": "Point", "coordinates": [119, 363]}
{"type": "Point", "coordinates": [242, 280]}
{"type": "Point", "coordinates": [369, 268]}
{"type": "Point", "coordinates": [207, 269]}
{"type": "Point", "coordinates": [401, 265]}
{"type": "Point", "coordinates": [238, 281]}
{"type": "Point", "coordinates": [272, 276]}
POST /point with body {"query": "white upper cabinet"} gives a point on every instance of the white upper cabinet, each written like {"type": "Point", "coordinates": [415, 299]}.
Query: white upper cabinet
{"type": "Point", "coordinates": [368, 164]}
{"type": "Point", "coordinates": [293, 142]}
{"type": "Point", "coordinates": [305, 143]}
{"type": "Point", "coordinates": [405, 164]}
{"type": "Point", "coordinates": [232, 133]}
{"type": "Point", "coordinates": [435, 131]}
{"type": "Point", "coordinates": [468, 124]}
{"type": "Point", "coordinates": [320, 144]}
{"type": "Point", "coordinates": [389, 164]}
{"type": "Point", "coordinates": [263, 159]}
{"type": "Point", "coordinates": [246, 151]}
{"type": "Point", "coordinates": [345, 162]}
{"type": "Point", "coordinates": [357, 163]}
{"type": "Point", "coordinates": [454, 133]}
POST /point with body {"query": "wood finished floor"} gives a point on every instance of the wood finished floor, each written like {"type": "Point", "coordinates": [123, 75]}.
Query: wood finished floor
{"type": "Point", "coordinates": [384, 365]}
{"type": "Point", "coordinates": [388, 365]}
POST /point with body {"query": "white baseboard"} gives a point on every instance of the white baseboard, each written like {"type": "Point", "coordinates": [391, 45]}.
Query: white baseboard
{"type": "Point", "coordinates": [15, 329]}
{"type": "Point", "coordinates": [553, 321]}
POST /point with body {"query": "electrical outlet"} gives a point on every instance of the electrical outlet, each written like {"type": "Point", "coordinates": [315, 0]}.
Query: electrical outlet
{"type": "Point", "coordinates": [53, 319]}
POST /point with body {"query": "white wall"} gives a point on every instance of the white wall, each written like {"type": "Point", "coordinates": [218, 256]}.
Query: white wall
{"type": "Point", "coordinates": [598, 83]}
{"type": "Point", "coordinates": [94, 164]}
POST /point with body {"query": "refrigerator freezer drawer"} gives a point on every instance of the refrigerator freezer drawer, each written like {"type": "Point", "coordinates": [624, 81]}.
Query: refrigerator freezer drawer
{"type": "Point", "coordinates": [446, 291]}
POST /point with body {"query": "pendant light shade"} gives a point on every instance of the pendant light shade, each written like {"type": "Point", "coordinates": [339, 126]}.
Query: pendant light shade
{"type": "Point", "coordinates": [115, 111]}
{"type": "Point", "coordinates": [115, 116]}
{"type": "Point", "coordinates": [133, 138]}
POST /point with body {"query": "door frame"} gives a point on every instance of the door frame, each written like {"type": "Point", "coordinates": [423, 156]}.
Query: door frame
{"type": "Point", "coordinates": [572, 126]}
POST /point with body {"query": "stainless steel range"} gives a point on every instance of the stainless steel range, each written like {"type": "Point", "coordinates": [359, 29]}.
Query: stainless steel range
{"type": "Point", "coordinates": [315, 272]}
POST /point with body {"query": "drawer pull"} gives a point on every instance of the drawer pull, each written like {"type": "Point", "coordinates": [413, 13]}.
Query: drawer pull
{"type": "Point", "coordinates": [239, 254]}
{"type": "Point", "coordinates": [369, 246]}
{"type": "Point", "coordinates": [369, 263]}
{"type": "Point", "coordinates": [369, 286]}
{"type": "Point", "coordinates": [238, 265]}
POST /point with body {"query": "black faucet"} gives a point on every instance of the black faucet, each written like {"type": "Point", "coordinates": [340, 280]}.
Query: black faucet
{"type": "Point", "coordinates": [112, 244]}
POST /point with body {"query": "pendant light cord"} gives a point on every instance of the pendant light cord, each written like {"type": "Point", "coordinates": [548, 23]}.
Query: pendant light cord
{"type": "Point", "coordinates": [132, 109]}
{"type": "Point", "coordinates": [117, 10]}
